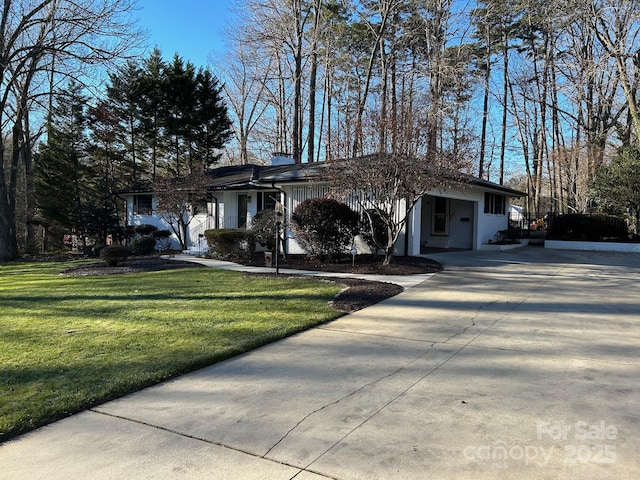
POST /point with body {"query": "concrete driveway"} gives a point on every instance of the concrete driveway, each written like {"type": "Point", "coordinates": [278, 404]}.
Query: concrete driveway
{"type": "Point", "coordinates": [519, 364]}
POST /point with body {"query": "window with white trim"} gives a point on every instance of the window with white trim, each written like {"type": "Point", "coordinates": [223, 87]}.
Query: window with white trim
{"type": "Point", "coordinates": [142, 205]}
{"type": "Point", "coordinates": [495, 203]}
{"type": "Point", "coordinates": [440, 225]}
{"type": "Point", "coordinates": [267, 200]}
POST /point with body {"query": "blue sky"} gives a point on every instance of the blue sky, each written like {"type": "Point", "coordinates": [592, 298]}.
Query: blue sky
{"type": "Point", "coordinates": [191, 28]}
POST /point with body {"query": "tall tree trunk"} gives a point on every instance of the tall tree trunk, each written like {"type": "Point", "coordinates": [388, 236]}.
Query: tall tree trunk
{"type": "Point", "coordinates": [384, 11]}
{"type": "Point", "coordinates": [31, 243]}
{"type": "Point", "coordinates": [312, 107]}
{"type": "Point", "coordinates": [329, 96]}
{"type": "Point", "coordinates": [313, 74]}
{"type": "Point", "coordinates": [297, 107]}
{"type": "Point", "coordinates": [383, 127]}
{"type": "Point", "coordinates": [8, 239]}
{"type": "Point", "coordinates": [485, 100]}
{"type": "Point", "coordinates": [394, 105]}
{"type": "Point", "coordinates": [436, 42]}
{"type": "Point", "coordinates": [283, 130]}
{"type": "Point", "coordinates": [505, 100]}
{"type": "Point", "coordinates": [296, 131]}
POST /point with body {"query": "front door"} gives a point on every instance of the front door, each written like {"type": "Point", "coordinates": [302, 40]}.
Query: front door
{"type": "Point", "coordinates": [242, 210]}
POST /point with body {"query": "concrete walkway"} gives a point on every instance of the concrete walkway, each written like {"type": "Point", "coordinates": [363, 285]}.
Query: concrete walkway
{"type": "Point", "coordinates": [519, 364]}
{"type": "Point", "coordinates": [405, 281]}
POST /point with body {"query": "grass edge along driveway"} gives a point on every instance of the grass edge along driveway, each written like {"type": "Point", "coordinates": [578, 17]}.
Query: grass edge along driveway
{"type": "Point", "coordinates": [69, 343]}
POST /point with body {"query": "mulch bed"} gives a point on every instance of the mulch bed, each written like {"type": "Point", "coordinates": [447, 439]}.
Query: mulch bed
{"type": "Point", "coordinates": [362, 264]}
{"type": "Point", "coordinates": [131, 265]}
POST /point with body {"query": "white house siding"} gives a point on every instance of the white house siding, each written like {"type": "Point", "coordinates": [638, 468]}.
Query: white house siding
{"type": "Point", "coordinates": [230, 210]}
{"type": "Point", "coordinates": [198, 225]}
{"type": "Point", "coordinates": [296, 194]}
{"type": "Point", "coordinates": [299, 193]}
{"type": "Point", "coordinates": [490, 224]}
{"type": "Point", "coordinates": [134, 219]}
{"type": "Point", "coordinates": [469, 226]}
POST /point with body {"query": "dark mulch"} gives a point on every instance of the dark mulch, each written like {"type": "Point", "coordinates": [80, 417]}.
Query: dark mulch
{"type": "Point", "coordinates": [131, 265]}
{"type": "Point", "coordinates": [357, 294]}
{"type": "Point", "coordinates": [362, 264]}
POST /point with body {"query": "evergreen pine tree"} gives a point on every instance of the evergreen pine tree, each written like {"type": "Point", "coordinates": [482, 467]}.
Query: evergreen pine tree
{"type": "Point", "coordinates": [61, 165]}
{"type": "Point", "coordinates": [212, 126]}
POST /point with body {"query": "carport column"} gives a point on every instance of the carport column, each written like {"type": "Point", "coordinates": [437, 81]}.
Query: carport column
{"type": "Point", "coordinates": [415, 229]}
{"type": "Point", "coordinates": [476, 226]}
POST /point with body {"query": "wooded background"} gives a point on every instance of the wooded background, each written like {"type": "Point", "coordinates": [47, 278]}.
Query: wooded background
{"type": "Point", "coordinates": [536, 94]}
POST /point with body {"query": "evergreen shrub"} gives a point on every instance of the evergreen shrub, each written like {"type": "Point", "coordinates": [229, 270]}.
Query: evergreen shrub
{"type": "Point", "coordinates": [144, 245]}
{"type": "Point", "coordinates": [324, 227]}
{"type": "Point", "coordinates": [163, 237]}
{"type": "Point", "coordinates": [145, 229]}
{"type": "Point", "coordinates": [263, 227]}
{"type": "Point", "coordinates": [230, 241]}
{"type": "Point", "coordinates": [114, 254]}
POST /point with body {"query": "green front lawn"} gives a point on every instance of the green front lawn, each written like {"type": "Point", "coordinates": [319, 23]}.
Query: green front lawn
{"type": "Point", "coordinates": [67, 343]}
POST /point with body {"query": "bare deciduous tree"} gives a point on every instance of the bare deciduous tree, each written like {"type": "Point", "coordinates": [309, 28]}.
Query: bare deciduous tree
{"type": "Point", "coordinates": [40, 41]}
{"type": "Point", "coordinates": [245, 78]}
{"type": "Point", "coordinates": [386, 187]}
{"type": "Point", "coordinates": [178, 200]}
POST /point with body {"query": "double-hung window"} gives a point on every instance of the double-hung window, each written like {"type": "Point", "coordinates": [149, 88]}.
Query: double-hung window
{"type": "Point", "coordinates": [440, 216]}
{"type": "Point", "coordinates": [495, 203]}
{"type": "Point", "coordinates": [142, 205]}
{"type": "Point", "coordinates": [267, 200]}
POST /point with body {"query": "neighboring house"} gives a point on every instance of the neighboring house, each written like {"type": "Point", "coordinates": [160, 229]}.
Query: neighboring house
{"type": "Point", "coordinates": [461, 218]}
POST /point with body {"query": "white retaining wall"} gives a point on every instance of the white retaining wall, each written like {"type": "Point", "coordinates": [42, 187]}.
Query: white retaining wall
{"type": "Point", "coordinates": [593, 246]}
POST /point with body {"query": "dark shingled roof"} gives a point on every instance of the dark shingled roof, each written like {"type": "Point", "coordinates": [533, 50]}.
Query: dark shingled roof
{"type": "Point", "coordinates": [263, 176]}
{"type": "Point", "coordinates": [244, 177]}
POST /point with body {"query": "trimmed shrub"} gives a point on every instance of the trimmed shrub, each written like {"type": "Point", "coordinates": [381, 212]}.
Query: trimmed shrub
{"type": "Point", "coordinates": [114, 254]}
{"type": "Point", "coordinates": [324, 227]}
{"type": "Point", "coordinates": [95, 250]}
{"type": "Point", "coordinates": [248, 244]}
{"type": "Point", "coordinates": [592, 228]}
{"type": "Point", "coordinates": [145, 245]}
{"type": "Point", "coordinates": [263, 227]}
{"type": "Point", "coordinates": [122, 234]}
{"type": "Point", "coordinates": [145, 229]}
{"type": "Point", "coordinates": [228, 241]}
{"type": "Point", "coordinates": [163, 237]}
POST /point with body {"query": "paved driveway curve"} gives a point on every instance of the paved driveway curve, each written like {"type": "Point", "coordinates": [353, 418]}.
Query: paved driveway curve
{"type": "Point", "coordinates": [519, 364]}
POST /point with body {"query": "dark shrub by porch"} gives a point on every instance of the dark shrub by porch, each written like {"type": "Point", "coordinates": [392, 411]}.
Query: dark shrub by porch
{"type": "Point", "coordinates": [263, 226]}
{"type": "Point", "coordinates": [229, 241]}
{"type": "Point", "coordinates": [324, 227]}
